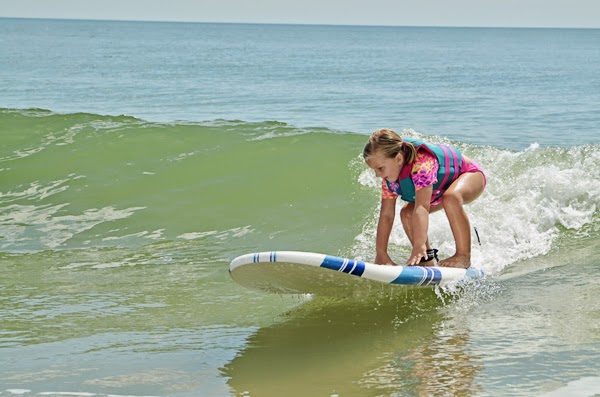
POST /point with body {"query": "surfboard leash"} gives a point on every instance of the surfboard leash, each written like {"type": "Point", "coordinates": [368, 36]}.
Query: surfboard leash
{"type": "Point", "coordinates": [477, 234]}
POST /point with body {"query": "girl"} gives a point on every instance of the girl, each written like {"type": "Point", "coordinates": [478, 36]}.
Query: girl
{"type": "Point", "coordinates": [428, 177]}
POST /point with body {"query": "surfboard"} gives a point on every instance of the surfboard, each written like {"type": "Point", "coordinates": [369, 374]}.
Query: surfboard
{"type": "Point", "coordinates": [296, 272]}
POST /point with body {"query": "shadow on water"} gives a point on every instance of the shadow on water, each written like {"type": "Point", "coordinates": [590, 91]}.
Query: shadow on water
{"type": "Point", "coordinates": [379, 346]}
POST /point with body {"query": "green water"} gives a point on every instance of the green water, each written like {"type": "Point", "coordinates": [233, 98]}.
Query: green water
{"type": "Point", "coordinates": [116, 234]}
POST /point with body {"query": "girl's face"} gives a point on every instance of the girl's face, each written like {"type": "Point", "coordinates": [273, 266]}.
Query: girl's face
{"type": "Point", "coordinates": [386, 167]}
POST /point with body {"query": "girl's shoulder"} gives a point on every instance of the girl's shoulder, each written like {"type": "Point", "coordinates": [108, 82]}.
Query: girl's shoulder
{"type": "Point", "coordinates": [425, 162]}
{"type": "Point", "coordinates": [424, 155]}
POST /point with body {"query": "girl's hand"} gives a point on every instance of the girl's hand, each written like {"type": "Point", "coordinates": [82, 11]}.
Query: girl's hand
{"type": "Point", "coordinates": [416, 255]}
{"type": "Point", "coordinates": [383, 259]}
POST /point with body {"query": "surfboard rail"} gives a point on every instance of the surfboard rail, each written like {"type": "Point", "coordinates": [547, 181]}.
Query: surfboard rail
{"type": "Point", "coordinates": [401, 275]}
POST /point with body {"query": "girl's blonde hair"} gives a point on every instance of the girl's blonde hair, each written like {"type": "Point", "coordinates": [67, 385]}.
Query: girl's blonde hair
{"type": "Point", "coordinates": [390, 144]}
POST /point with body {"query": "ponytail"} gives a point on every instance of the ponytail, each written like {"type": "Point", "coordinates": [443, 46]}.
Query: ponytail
{"type": "Point", "coordinates": [410, 152]}
{"type": "Point", "coordinates": [390, 144]}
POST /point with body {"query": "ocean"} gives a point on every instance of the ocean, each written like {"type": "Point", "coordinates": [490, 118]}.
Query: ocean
{"type": "Point", "coordinates": [137, 159]}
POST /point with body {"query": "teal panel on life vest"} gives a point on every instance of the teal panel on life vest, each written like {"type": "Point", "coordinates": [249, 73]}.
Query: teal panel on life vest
{"type": "Point", "coordinates": [445, 175]}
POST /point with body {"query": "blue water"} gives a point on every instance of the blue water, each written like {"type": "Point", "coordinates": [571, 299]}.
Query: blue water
{"type": "Point", "coordinates": [503, 87]}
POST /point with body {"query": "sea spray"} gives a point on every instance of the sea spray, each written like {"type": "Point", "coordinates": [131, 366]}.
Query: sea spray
{"type": "Point", "coordinates": [531, 198]}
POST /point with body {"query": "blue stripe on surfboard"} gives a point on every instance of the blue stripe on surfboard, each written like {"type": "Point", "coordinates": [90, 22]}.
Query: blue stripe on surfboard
{"type": "Point", "coordinates": [418, 275]}
{"type": "Point", "coordinates": [359, 269]}
{"type": "Point", "coordinates": [356, 268]}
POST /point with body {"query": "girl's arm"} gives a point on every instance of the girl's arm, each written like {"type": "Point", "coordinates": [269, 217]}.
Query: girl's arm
{"type": "Point", "coordinates": [420, 224]}
{"type": "Point", "coordinates": [384, 228]}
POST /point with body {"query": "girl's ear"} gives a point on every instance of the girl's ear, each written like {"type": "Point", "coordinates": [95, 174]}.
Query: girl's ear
{"type": "Point", "coordinates": [400, 158]}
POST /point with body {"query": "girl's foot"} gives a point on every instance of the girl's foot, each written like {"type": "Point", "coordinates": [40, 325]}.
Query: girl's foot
{"type": "Point", "coordinates": [462, 261]}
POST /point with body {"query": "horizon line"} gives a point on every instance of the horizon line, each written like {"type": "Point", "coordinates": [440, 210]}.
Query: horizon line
{"type": "Point", "coordinates": [301, 24]}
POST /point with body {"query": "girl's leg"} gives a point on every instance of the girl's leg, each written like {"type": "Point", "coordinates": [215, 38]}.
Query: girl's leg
{"type": "Point", "coordinates": [465, 189]}
{"type": "Point", "coordinates": [406, 217]}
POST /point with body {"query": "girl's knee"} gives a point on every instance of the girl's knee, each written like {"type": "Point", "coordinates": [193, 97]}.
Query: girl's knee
{"type": "Point", "coordinates": [407, 211]}
{"type": "Point", "coordinates": [452, 198]}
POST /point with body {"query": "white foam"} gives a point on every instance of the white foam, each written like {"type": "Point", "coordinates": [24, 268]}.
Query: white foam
{"type": "Point", "coordinates": [75, 265]}
{"type": "Point", "coordinates": [154, 235]}
{"type": "Point", "coordinates": [66, 136]}
{"type": "Point", "coordinates": [108, 265]}
{"type": "Point", "coordinates": [277, 134]}
{"type": "Point", "coordinates": [37, 190]}
{"type": "Point", "coordinates": [530, 198]}
{"type": "Point", "coordinates": [66, 393]}
{"type": "Point", "coordinates": [583, 387]}
{"type": "Point", "coordinates": [121, 395]}
{"type": "Point", "coordinates": [196, 235]}
{"type": "Point", "coordinates": [59, 229]}
{"type": "Point", "coordinates": [182, 156]}
{"type": "Point", "coordinates": [219, 235]}
{"type": "Point", "coordinates": [33, 227]}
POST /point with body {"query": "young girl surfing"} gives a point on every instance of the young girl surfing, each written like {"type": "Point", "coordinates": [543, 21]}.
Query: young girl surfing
{"type": "Point", "coordinates": [429, 178]}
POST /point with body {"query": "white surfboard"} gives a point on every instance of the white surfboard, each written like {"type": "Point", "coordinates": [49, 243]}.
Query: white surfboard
{"type": "Point", "coordinates": [295, 272]}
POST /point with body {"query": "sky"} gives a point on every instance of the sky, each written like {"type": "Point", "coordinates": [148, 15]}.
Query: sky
{"type": "Point", "coordinates": [496, 13]}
